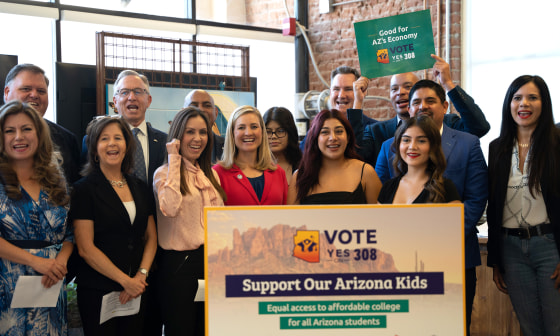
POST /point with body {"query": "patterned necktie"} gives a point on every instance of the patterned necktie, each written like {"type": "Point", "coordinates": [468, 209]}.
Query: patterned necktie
{"type": "Point", "coordinates": [139, 167]}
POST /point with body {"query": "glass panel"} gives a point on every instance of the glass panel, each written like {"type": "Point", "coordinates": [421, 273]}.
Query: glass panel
{"type": "Point", "coordinates": [78, 39]}
{"type": "Point", "coordinates": [39, 51]}
{"type": "Point", "coordinates": [268, 14]}
{"type": "Point", "coordinates": [273, 64]}
{"type": "Point", "coordinates": [172, 8]}
{"type": "Point", "coordinates": [506, 49]}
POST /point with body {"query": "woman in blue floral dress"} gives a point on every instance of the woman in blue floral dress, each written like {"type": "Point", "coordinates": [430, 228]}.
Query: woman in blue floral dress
{"type": "Point", "coordinates": [34, 236]}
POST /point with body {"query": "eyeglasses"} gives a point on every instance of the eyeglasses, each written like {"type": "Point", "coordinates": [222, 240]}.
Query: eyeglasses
{"type": "Point", "coordinates": [280, 132]}
{"type": "Point", "coordinates": [126, 92]}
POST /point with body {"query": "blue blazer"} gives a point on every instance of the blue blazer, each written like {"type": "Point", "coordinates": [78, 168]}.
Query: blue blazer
{"type": "Point", "coordinates": [472, 120]}
{"type": "Point", "coordinates": [467, 169]}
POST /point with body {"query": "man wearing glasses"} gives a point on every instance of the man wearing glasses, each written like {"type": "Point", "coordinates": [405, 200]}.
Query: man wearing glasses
{"type": "Point", "coordinates": [28, 83]}
{"type": "Point", "coordinates": [131, 96]}
{"type": "Point", "coordinates": [204, 102]}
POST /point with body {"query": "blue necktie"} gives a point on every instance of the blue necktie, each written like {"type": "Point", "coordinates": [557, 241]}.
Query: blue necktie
{"type": "Point", "coordinates": [139, 167]}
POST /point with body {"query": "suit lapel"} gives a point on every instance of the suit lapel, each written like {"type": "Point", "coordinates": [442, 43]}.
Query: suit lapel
{"type": "Point", "coordinates": [106, 194]}
{"type": "Point", "coordinates": [447, 141]}
{"type": "Point", "coordinates": [152, 150]}
{"type": "Point", "coordinates": [391, 128]}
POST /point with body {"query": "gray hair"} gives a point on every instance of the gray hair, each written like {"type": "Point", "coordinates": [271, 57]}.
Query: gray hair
{"type": "Point", "coordinates": [126, 73]}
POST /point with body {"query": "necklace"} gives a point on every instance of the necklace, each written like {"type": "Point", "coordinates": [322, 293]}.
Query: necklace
{"type": "Point", "coordinates": [523, 145]}
{"type": "Point", "coordinates": [119, 183]}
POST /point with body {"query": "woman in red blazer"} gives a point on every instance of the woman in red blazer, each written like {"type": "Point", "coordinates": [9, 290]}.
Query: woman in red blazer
{"type": "Point", "coordinates": [247, 171]}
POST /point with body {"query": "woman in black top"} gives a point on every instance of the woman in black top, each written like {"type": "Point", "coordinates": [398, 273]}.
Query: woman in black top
{"type": "Point", "coordinates": [419, 163]}
{"type": "Point", "coordinates": [330, 171]}
{"type": "Point", "coordinates": [112, 213]}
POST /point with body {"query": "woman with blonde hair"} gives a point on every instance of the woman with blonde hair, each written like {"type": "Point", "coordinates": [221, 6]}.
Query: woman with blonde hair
{"type": "Point", "coordinates": [248, 172]}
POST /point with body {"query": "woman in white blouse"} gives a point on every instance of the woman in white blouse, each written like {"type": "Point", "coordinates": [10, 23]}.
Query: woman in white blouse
{"type": "Point", "coordinates": [184, 185]}
{"type": "Point", "coordinates": [523, 207]}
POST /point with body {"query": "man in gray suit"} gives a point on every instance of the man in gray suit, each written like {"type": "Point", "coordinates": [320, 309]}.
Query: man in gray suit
{"type": "Point", "coordinates": [204, 102]}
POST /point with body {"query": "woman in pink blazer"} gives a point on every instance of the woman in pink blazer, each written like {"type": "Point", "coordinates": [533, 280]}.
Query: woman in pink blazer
{"type": "Point", "coordinates": [248, 173]}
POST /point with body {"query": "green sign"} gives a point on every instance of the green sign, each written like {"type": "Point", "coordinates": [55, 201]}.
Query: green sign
{"type": "Point", "coordinates": [395, 44]}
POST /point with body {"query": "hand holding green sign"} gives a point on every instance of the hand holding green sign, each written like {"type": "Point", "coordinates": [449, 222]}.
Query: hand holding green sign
{"type": "Point", "coordinates": [396, 44]}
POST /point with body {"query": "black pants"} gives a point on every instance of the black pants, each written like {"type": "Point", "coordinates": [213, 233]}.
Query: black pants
{"type": "Point", "coordinates": [470, 291]}
{"type": "Point", "coordinates": [178, 276]}
{"type": "Point", "coordinates": [152, 317]}
{"type": "Point", "coordinates": [89, 303]}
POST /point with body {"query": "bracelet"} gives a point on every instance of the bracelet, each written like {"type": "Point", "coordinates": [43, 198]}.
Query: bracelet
{"type": "Point", "coordinates": [143, 271]}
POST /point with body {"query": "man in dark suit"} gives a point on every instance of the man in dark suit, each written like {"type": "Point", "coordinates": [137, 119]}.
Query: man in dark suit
{"type": "Point", "coordinates": [472, 119]}
{"type": "Point", "coordinates": [131, 96]}
{"type": "Point", "coordinates": [466, 167]}
{"type": "Point", "coordinates": [28, 83]}
{"type": "Point", "coordinates": [204, 102]}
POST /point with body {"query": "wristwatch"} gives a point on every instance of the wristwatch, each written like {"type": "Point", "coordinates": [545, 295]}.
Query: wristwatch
{"type": "Point", "coordinates": [143, 271]}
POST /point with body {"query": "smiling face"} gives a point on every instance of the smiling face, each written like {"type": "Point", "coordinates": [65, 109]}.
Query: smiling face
{"type": "Point", "coordinates": [277, 144]}
{"type": "Point", "coordinates": [132, 106]}
{"type": "Point", "coordinates": [425, 101]}
{"type": "Point", "coordinates": [333, 139]}
{"type": "Point", "coordinates": [20, 137]}
{"type": "Point", "coordinates": [247, 133]}
{"type": "Point", "coordinates": [204, 102]}
{"type": "Point", "coordinates": [342, 92]}
{"type": "Point", "coordinates": [194, 139]}
{"type": "Point", "coordinates": [526, 106]}
{"type": "Point", "coordinates": [111, 146]}
{"type": "Point", "coordinates": [399, 89]}
{"type": "Point", "coordinates": [415, 147]}
{"type": "Point", "coordinates": [30, 88]}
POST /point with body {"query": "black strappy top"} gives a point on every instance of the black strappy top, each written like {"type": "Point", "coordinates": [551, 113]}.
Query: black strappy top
{"type": "Point", "coordinates": [357, 196]}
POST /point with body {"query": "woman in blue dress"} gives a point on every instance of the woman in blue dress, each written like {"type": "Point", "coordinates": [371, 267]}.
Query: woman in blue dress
{"type": "Point", "coordinates": [34, 237]}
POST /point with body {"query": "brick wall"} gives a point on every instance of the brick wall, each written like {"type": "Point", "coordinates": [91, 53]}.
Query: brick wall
{"type": "Point", "coordinates": [333, 40]}
{"type": "Point", "coordinates": [267, 13]}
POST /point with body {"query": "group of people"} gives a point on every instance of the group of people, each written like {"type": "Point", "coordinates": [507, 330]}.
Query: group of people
{"type": "Point", "coordinates": [136, 216]}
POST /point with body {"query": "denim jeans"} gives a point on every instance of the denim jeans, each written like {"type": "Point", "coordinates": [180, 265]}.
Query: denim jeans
{"type": "Point", "coordinates": [528, 265]}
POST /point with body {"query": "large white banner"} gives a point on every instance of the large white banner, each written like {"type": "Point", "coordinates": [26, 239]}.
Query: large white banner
{"type": "Point", "coordinates": [332, 270]}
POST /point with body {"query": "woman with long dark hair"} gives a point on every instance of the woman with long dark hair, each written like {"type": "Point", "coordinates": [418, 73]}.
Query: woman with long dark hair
{"type": "Point", "coordinates": [184, 185]}
{"type": "Point", "coordinates": [419, 163]}
{"type": "Point", "coordinates": [283, 139]}
{"type": "Point", "coordinates": [331, 171]}
{"type": "Point", "coordinates": [523, 212]}
{"type": "Point", "coordinates": [35, 239]}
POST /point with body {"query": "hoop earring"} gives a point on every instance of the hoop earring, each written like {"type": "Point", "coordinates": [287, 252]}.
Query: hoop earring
{"type": "Point", "coordinates": [96, 158]}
